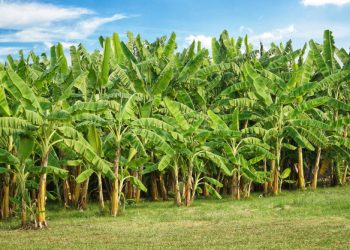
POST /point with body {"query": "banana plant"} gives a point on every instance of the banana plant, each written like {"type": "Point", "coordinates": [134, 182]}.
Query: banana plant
{"type": "Point", "coordinates": [20, 169]}
{"type": "Point", "coordinates": [284, 176]}
{"type": "Point", "coordinates": [201, 179]}
{"type": "Point", "coordinates": [48, 115]}
{"type": "Point", "coordinates": [191, 141]}
{"type": "Point", "coordinates": [277, 116]}
{"type": "Point", "coordinates": [237, 148]}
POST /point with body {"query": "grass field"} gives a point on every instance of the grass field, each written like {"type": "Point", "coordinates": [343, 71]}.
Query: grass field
{"type": "Point", "coordinates": [293, 220]}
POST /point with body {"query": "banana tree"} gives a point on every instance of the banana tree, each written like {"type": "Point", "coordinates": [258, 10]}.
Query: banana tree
{"type": "Point", "coordinates": [47, 113]}
{"type": "Point", "coordinates": [237, 148]}
{"type": "Point", "coordinates": [122, 109]}
{"type": "Point", "coordinates": [201, 170]}
{"type": "Point", "coordinates": [19, 167]}
{"type": "Point", "coordinates": [147, 71]}
{"type": "Point", "coordinates": [191, 140]}
{"type": "Point", "coordinates": [333, 61]}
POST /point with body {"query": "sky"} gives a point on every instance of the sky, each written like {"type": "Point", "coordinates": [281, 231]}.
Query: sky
{"type": "Point", "coordinates": [37, 25]}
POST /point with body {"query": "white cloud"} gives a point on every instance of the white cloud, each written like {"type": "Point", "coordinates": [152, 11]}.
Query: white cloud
{"type": "Point", "coordinates": [76, 31]}
{"type": "Point", "coordinates": [4, 51]}
{"type": "Point", "coordinates": [47, 23]}
{"type": "Point", "coordinates": [275, 35]}
{"type": "Point", "coordinates": [205, 40]}
{"type": "Point", "coordinates": [244, 29]}
{"type": "Point", "coordinates": [87, 27]}
{"type": "Point", "coordinates": [324, 2]}
{"type": "Point", "coordinates": [17, 15]}
{"type": "Point", "coordinates": [65, 45]}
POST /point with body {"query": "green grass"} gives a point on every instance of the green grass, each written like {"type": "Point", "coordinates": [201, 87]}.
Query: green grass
{"type": "Point", "coordinates": [293, 220]}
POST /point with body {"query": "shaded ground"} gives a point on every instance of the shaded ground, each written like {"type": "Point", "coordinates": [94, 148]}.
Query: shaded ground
{"type": "Point", "coordinates": [293, 220]}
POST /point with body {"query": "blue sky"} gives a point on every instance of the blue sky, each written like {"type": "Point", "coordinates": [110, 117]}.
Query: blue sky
{"type": "Point", "coordinates": [27, 25]}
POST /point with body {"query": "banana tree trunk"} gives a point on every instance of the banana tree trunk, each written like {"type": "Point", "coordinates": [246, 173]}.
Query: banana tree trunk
{"type": "Point", "coordinates": [345, 174]}
{"type": "Point", "coordinates": [41, 215]}
{"type": "Point", "coordinates": [177, 186]}
{"type": "Point", "coordinates": [115, 188]}
{"type": "Point", "coordinates": [194, 186]}
{"type": "Point", "coordinates": [247, 189]}
{"type": "Point", "coordinates": [225, 188]}
{"type": "Point", "coordinates": [77, 188]}
{"type": "Point", "coordinates": [265, 183]}
{"type": "Point", "coordinates": [67, 196]}
{"type": "Point", "coordinates": [129, 189]}
{"type": "Point", "coordinates": [316, 168]}
{"type": "Point", "coordinates": [205, 191]}
{"type": "Point", "coordinates": [5, 205]}
{"type": "Point", "coordinates": [83, 202]}
{"type": "Point", "coordinates": [134, 188]}
{"type": "Point", "coordinates": [301, 168]}
{"type": "Point", "coordinates": [236, 184]}
{"type": "Point", "coordinates": [275, 167]}
{"type": "Point", "coordinates": [337, 180]}
{"type": "Point", "coordinates": [235, 188]}
{"type": "Point", "coordinates": [163, 189]}
{"type": "Point", "coordinates": [13, 190]}
{"type": "Point", "coordinates": [219, 179]}
{"type": "Point", "coordinates": [274, 177]}
{"type": "Point", "coordinates": [154, 187]}
{"type": "Point", "coordinates": [100, 193]}
{"type": "Point", "coordinates": [32, 195]}
{"type": "Point", "coordinates": [345, 134]}
{"type": "Point", "coordinates": [188, 186]}
{"type": "Point", "coordinates": [58, 192]}
{"type": "Point", "coordinates": [138, 191]}
{"type": "Point", "coordinates": [23, 212]}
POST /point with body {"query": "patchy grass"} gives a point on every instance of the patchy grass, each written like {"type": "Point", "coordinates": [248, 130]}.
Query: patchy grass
{"type": "Point", "coordinates": [293, 220]}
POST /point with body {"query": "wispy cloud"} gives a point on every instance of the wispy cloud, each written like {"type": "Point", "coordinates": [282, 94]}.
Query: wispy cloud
{"type": "Point", "coordinates": [274, 35]}
{"type": "Point", "coordinates": [4, 51]}
{"type": "Point", "coordinates": [205, 40]}
{"type": "Point", "coordinates": [65, 45]}
{"type": "Point", "coordinates": [18, 15]}
{"type": "Point", "coordinates": [244, 29]}
{"type": "Point", "coordinates": [47, 23]}
{"type": "Point", "coordinates": [325, 2]}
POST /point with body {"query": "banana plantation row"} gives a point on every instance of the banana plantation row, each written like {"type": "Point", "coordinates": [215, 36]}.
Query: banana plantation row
{"type": "Point", "coordinates": [144, 120]}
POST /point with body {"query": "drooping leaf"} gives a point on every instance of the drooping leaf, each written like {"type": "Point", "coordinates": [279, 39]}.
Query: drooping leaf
{"type": "Point", "coordinates": [21, 91]}
{"type": "Point", "coordinates": [164, 162]}
{"type": "Point", "coordinates": [217, 122]}
{"type": "Point", "coordinates": [138, 183]}
{"type": "Point", "coordinates": [285, 174]}
{"type": "Point", "coordinates": [213, 181]}
{"type": "Point", "coordinates": [213, 191]}
{"type": "Point", "coordinates": [175, 111]}
{"type": "Point", "coordinates": [4, 107]}
{"type": "Point", "coordinates": [217, 160]}
{"type": "Point", "coordinates": [62, 173]}
{"type": "Point", "coordinates": [8, 158]}
{"type": "Point", "coordinates": [83, 176]}
{"type": "Point", "coordinates": [25, 147]}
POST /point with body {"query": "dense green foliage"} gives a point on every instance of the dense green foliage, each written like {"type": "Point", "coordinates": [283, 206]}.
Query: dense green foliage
{"type": "Point", "coordinates": [142, 120]}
